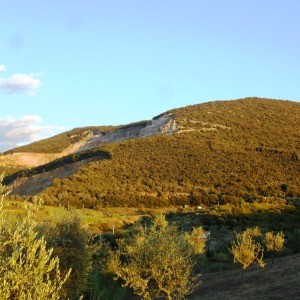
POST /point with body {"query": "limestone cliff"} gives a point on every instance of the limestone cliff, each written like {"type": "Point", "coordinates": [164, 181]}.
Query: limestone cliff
{"type": "Point", "coordinates": [162, 125]}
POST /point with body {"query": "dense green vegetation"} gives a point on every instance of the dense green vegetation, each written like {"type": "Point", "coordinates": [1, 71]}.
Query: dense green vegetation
{"type": "Point", "coordinates": [134, 125]}
{"type": "Point", "coordinates": [226, 152]}
{"type": "Point", "coordinates": [60, 142]}
{"type": "Point", "coordinates": [269, 125]}
{"type": "Point", "coordinates": [272, 213]}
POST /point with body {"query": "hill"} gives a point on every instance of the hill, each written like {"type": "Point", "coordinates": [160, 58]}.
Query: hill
{"type": "Point", "coordinates": [60, 142]}
{"type": "Point", "coordinates": [216, 152]}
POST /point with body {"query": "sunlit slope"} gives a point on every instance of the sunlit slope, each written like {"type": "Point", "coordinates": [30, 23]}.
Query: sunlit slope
{"type": "Point", "coordinates": [60, 142]}
{"type": "Point", "coordinates": [250, 122]}
{"type": "Point", "coordinates": [79, 140]}
{"type": "Point", "coordinates": [278, 282]}
{"type": "Point", "coordinates": [47, 150]}
{"type": "Point", "coordinates": [223, 151]}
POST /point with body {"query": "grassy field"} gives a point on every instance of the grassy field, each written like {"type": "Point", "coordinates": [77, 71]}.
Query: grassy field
{"type": "Point", "coordinates": [105, 220]}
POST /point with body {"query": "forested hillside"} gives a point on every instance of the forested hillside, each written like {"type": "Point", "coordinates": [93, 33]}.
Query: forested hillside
{"type": "Point", "coordinates": [224, 151]}
{"type": "Point", "coordinates": [60, 142]}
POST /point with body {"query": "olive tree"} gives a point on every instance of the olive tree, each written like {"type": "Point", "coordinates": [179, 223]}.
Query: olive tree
{"type": "Point", "coordinates": [274, 243]}
{"type": "Point", "coordinates": [197, 238]}
{"type": "Point", "coordinates": [28, 269]}
{"type": "Point", "coordinates": [246, 251]}
{"type": "Point", "coordinates": [70, 243]}
{"type": "Point", "coordinates": [156, 262]}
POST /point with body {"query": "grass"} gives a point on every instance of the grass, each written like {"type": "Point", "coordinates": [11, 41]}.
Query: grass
{"type": "Point", "coordinates": [105, 220]}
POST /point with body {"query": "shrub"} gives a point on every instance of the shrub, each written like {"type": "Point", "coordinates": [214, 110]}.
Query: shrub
{"type": "Point", "coordinates": [274, 243]}
{"type": "Point", "coordinates": [70, 243]}
{"type": "Point", "coordinates": [246, 251]}
{"type": "Point", "coordinates": [28, 269]}
{"type": "Point", "coordinates": [155, 262]}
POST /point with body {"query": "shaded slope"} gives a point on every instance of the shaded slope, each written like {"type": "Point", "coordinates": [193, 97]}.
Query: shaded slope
{"type": "Point", "coordinates": [279, 282]}
{"type": "Point", "coordinates": [58, 163]}
{"type": "Point", "coordinates": [35, 184]}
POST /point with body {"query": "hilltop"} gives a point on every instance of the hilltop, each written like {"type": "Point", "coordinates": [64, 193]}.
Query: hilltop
{"type": "Point", "coordinates": [215, 152]}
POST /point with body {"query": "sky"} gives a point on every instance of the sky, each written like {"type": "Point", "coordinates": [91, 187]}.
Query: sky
{"type": "Point", "coordinates": [67, 64]}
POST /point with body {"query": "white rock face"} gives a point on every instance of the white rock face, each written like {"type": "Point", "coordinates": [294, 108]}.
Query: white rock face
{"type": "Point", "coordinates": [161, 125]}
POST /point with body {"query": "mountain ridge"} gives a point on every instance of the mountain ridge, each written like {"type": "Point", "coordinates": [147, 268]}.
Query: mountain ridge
{"type": "Point", "coordinates": [242, 148]}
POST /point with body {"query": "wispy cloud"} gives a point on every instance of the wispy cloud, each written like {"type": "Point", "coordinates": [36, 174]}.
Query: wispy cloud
{"type": "Point", "coordinates": [21, 84]}
{"type": "Point", "coordinates": [2, 68]}
{"type": "Point", "coordinates": [27, 129]}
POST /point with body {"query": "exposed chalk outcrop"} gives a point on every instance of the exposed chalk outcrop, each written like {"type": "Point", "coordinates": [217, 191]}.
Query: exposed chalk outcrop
{"type": "Point", "coordinates": [161, 125]}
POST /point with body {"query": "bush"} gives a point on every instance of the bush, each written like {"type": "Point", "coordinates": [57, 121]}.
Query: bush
{"type": "Point", "coordinates": [28, 269]}
{"type": "Point", "coordinates": [156, 262]}
{"type": "Point", "coordinates": [70, 243]}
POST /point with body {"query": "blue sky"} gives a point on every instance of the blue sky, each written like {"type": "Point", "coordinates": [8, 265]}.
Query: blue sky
{"type": "Point", "coordinates": [66, 64]}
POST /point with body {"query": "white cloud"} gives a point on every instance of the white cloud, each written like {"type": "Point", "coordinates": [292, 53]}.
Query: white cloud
{"type": "Point", "coordinates": [27, 129]}
{"type": "Point", "coordinates": [21, 84]}
{"type": "Point", "coordinates": [2, 68]}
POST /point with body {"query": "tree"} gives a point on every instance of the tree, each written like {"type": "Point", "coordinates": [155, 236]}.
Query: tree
{"type": "Point", "coordinates": [70, 243]}
{"type": "Point", "coordinates": [155, 262]}
{"type": "Point", "coordinates": [246, 251]}
{"type": "Point", "coordinates": [28, 269]}
{"type": "Point", "coordinates": [197, 238]}
{"type": "Point", "coordinates": [274, 243]}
